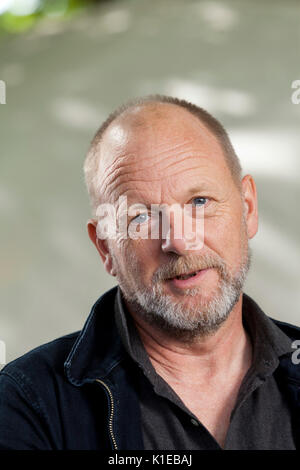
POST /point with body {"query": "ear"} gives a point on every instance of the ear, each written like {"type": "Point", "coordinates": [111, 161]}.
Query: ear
{"type": "Point", "coordinates": [250, 204]}
{"type": "Point", "coordinates": [102, 247]}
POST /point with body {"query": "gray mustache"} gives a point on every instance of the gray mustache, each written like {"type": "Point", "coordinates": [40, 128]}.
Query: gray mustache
{"type": "Point", "coordinates": [180, 267]}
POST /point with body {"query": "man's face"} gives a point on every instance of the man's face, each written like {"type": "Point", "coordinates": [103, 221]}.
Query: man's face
{"type": "Point", "coordinates": [164, 155]}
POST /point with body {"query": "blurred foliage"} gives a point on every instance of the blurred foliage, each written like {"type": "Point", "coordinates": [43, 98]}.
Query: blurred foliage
{"type": "Point", "coordinates": [17, 16]}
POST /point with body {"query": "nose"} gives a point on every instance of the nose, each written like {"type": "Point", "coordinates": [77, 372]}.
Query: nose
{"type": "Point", "coordinates": [174, 245]}
{"type": "Point", "coordinates": [177, 238]}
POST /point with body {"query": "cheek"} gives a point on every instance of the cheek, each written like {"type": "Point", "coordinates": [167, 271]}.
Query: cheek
{"type": "Point", "coordinates": [147, 256]}
{"type": "Point", "coordinates": [144, 248]}
{"type": "Point", "coordinates": [135, 253]}
{"type": "Point", "coordinates": [224, 236]}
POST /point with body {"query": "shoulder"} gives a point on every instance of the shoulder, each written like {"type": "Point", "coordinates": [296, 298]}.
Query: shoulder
{"type": "Point", "coordinates": [292, 331]}
{"type": "Point", "coordinates": [33, 391]}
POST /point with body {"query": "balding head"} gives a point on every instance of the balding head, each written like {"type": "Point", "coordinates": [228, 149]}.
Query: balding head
{"type": "Point", "coordinates": [139, 118]}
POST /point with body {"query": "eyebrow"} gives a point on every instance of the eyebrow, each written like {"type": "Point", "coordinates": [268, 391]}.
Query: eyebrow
{"type": "Point", "coordinates": [196, 189]}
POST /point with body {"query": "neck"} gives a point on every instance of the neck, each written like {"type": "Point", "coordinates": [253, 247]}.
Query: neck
{"type": "Point", "coordinates": [227, 352]}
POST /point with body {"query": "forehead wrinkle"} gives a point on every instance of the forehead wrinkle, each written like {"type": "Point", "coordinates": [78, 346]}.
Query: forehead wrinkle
{"type": "Point", "coordinates": [117, 177]}
{"type": "Point", "coordinates": [118, 169]}
{"type": "Point", "coordinates": [115, 180]}
{"type": "Point", "coordinates": [110, 180]}
{"type": "Point", "coordinates": [154, 165]}
{"type": "Point", "coordinates": [165, 147]}
{"type": "Point", "coordinates": [120, 158]}
{"type": "Point", "coordinates": [106, 173]}
{"type": "Point", "coordinates": [114, 187]}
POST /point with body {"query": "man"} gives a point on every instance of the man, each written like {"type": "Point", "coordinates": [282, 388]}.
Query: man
{"type": "Point", "coordinates": [176, 356]}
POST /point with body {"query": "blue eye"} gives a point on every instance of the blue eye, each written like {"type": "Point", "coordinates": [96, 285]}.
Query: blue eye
{"type": "Point", "coordinates": [140, 219]}
{"type": "Point", "coordinates": [201, 200]}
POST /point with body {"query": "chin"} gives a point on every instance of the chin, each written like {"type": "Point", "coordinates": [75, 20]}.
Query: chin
{"type": "Point", "coordinates": [191, 300]}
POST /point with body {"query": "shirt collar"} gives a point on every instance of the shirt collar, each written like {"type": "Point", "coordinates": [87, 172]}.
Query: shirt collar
{"type": "Point", "coordinates": [268, 341]}
{"type": "Point", "coordinates": [98, 347]}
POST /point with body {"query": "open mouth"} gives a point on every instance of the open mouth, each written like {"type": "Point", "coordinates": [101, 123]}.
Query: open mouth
{"type": "Point", "coordinates": [188, 280]}
{"type": "Point", "coordinates": [187, 275]}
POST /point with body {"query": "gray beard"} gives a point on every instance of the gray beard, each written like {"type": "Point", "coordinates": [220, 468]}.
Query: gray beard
{"type": "Point", "coordinates": [179, 319]}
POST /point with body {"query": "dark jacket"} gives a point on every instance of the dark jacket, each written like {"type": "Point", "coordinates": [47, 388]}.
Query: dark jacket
{"type": "Point", "coordinates": [77, 392]}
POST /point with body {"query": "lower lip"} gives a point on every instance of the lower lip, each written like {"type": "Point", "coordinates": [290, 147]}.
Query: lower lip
{"type": "Point", "coordinates": [190, 282]}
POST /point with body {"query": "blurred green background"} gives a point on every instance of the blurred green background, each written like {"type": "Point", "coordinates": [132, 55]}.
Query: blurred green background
{"type": "Point", "coordinates": [66, 65]}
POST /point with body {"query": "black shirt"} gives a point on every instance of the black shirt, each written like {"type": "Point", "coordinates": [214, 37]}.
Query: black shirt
{"type": "Point", "coordinates": [261, 418]}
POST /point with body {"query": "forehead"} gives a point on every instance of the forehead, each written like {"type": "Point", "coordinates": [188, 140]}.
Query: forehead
{"type": "Point", "coordinates": [158, 145]}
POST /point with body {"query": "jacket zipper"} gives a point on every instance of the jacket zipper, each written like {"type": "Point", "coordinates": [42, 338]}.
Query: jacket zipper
{"type": "Point", "coordinates": [112, 410]}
